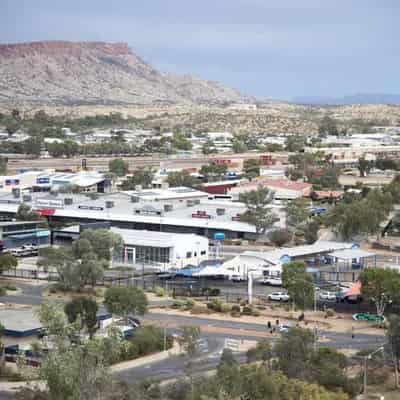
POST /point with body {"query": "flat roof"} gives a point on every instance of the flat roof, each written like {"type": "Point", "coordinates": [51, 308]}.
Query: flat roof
{"type": "Point", "coordinates": [12, 223]}
{"type": "Point", "coordinates": [322, 246]}
{"type": "Point", "coordinates": [19, 320]}
{"type": "Point", "coordinates": [89, 207]}
{"type": "Point", "coordinates": [154, 238]}
{"type": "Point", "coordinates": [350, 254]}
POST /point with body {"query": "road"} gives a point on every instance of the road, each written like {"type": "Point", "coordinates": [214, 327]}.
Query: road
{"type": "Point", "coordinates": [101, 163]}
{"type": "Point", "coordinates": [208, 359]}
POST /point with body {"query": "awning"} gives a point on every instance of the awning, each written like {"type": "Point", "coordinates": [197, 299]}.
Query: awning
{"type": "Point", "coordinates": [354, 290]}
{"type": "Point", "coordinates": [213, 271]}
{"type": "Point", "coordinates": [350, 254]}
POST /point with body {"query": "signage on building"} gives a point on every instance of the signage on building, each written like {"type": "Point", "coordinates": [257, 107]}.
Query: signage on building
{"type": "Point", "coordinates": [201, 214]}
{"type": "Point", "coordinates": [42, 233]}
{"type": "Point", "coordinates": [93, 208]}
{"type": "Point", "coordinates": [41, 181]}
{"type": "Point", "coordinates": [49, 203]}
{"type": "Point", "coordinates": [12, 182]}
{"type": "Point", "coordinates": [8, 201]}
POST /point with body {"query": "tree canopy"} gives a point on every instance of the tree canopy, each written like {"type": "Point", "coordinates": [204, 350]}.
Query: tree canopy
{"type": "Point", "coordinates": [258, 212]}
{"type": "Point", "coordinates": [380, 286]}
{"type": "Point", "coordinates": [125, 300]}
{"type": "Point", "coordinates": [118, 166]}
{"type": "Point", "coordinates": [299, 284]}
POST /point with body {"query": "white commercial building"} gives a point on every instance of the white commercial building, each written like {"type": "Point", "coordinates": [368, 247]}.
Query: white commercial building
{"type": "Point", "coordinates": [160, 249]}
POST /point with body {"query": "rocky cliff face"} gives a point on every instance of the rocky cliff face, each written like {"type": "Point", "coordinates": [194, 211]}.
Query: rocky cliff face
{"type": "Point", "coordinates": [69, 73]}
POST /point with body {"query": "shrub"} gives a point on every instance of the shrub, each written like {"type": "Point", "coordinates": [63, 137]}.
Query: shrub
{"type": "Point", "coordinates": [235, 314]}
{"type": "Point", "coordinates": [159, 291]}
{"type": "Point", "coordinates": [216, 305]}
{"type": "Point", "coordinates": [10, 287]}
{"type": "Point", "coordinates": [330, 313]}
{"type": "Point", "coordinates": [247, 310]}
{"type": "Point", "coordinates": [235, 308]}
{"type": "Point", "coordinates": [149, 339]}
{"type": "Point", "coordinates": [226, 308]}
{"type": "Point", "coordinates": [199, 310]}
{"type": "Point", "coordinates": [255, 313]}
{"type": "Point", "coordinates": [189, 304]}
{"type": "Point", "coordinates": [177, 304]}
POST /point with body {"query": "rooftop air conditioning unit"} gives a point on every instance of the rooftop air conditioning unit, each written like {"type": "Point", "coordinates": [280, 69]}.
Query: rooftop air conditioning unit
{"type": "Point", "coordinates": [16, 193]}
{"type": "Point", "coordinates": [26, 198]}
{"type": "Point", "coordinates": [196, 201]}
{"type": "Point", "coordinates": [190, 203]}
{"type": "Point", "coordinates": [68, 201]}
{"type": "Point", "coordinates": [109, 204]}
{"type": "Point", "coordinates": [134, 199]}
{"type": "Point", "coordinates": [138, 188]}
{"type": "Point", "coordinates": [168, 207]}
{"type": "Point", "coordinates": [164, 185]}
{"type": "Point", "coordinates": [221, 211]}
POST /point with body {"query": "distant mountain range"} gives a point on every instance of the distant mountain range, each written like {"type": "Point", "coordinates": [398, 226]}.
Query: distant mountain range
{"type": "Point", "coordinates": [97, 73]}
{"type": "Point", "coordinates": [347, 100]}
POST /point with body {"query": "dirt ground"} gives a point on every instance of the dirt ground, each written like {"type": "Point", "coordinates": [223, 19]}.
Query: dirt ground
{"type": "Point", "coordinates": [342, 323]}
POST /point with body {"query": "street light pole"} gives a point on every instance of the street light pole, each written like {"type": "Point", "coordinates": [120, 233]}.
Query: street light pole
{"type": "Point", "coordinates": [368, 357]}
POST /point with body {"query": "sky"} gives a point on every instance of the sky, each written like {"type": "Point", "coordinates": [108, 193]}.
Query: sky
{"type": "Point", "coordinates": [278, 49]}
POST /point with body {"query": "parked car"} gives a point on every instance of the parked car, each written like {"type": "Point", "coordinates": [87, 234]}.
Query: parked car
{"type": "Point", "coordinates": [278, 296]}
{"type": "Point", "coordinates": [238, 278]}
{"type": "Point", "coordinates": [272, 281]}
{"type": "Point", "coordinates": [327, 296]}
{"type": "Point", "coordinates": [283, 328]}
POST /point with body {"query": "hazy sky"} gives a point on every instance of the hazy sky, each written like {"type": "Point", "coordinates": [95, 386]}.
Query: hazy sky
{"type": "Point", "coordinates": [267, 48]}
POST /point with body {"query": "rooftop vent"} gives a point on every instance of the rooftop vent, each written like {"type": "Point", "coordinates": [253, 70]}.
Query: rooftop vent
{"type": "Point", "coordinates": [68, 201]}
{"type": "Point", "coordinates": [221, 211]}
{"type": "Point", "coordinates": [168, 207]}
{"type": "Point", "coordinates": [26, 198]}
{"type": "Point", "coordinates": [190, 203]}
{"type": "Point", "coordinates": [109, 204]}
{"type": "Point", "coordinates": [138, 188]}
{"type": "Point", "coordinates": [134, 199]}
{"type": "Point", "coordinates": [16, 193]}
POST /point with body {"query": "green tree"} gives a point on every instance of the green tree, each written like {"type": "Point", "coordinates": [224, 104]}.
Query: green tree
{"type": "Point", "coordinates": [125, 300]}
{"type": "Point", "coordinates": [280, 237]}
{"type": "Point", "coordinates": [3, 165]}
{"type": "Point", "coordinates": [180, 142]}
{"type": "Point", "coordinates": [190, 339]}
{"type": "Point", "coordinates": [364, 166]}
{"type": "Point", "coordinates": [294, 351]}
{"type": "Point", "coordinates": [393, 338]}
{"type": "Point", "coordinates": [7, 261]}
{"type": "Point", "coordinates": [258, 212]}
{"type": "Point", "coordinates": [311, 232]}
{"type": "Point", "coordinates": [251, 167]}
{"type": "Point", "coordinates": [181, 178]}
{"type": "Point", "coordinates": [295, 143]}
{"type": "Point", "coordinates": [380, 286]}
{"type": "Point", "coordinates": [327, 126]}
{"type": "Point", "coordinates": [238, 146]}
{"type": "Point", "coordinates": [213, 172]}
{"type": "Point", "coordinates": [261, 352]}
{"type": "Point", "coordinates": [299, 284]}
{"type": "Point", "coordinates": [25, 213]}
{"type": "Point", "coordinates": [142, 177]}
{"type": "Point", "coordinates": [209, 148]}
{"type": "Point", "coordinates": [297, 212]}
{"type": "Point", "coordinates": [85, 309]}
{"type": "Point", "coordinates": [85, 262]}
{"type": "Point", "coordinates": [360, 216]}
{"type": "Point", "coordinates": [118, 166]}
{"type": "Point", "coordinates": [227, 358]}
